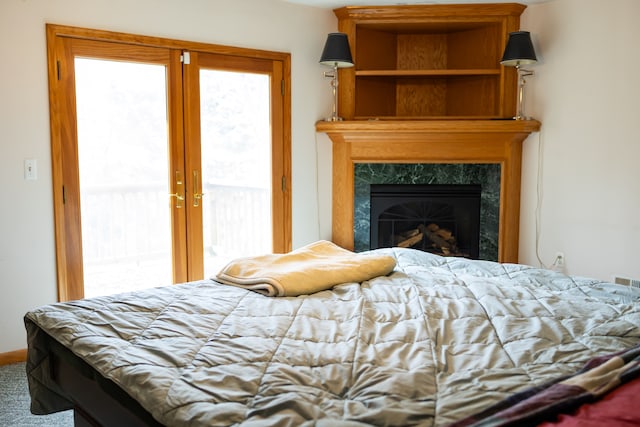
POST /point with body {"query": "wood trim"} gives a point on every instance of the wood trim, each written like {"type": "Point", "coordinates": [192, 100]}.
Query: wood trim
{"type": "Point", "coordinates": [193, 163]}
{"type": "Point", "coordinates": [160, 42]}
{"type": "Point", "coordinates": [10, 357]}
{"type": "Point", "coordinates": [418, 12]}
{"type": "Point", "coordinates": [442, 141]}
{"type": "Point", "coordinates": [281, 162]}
{"type": "Point", "coordinates": [177, 166]}
{"type": "Point", "coordinates": [367, 129]}
{"type": "Point", "coordinates": [64, 174]}
{"type": "Point", "coordinates": [287, 217]}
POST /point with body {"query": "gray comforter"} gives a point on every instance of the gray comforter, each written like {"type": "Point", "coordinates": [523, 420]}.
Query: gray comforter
{"type": "Point", "coordinates": [436, 340]}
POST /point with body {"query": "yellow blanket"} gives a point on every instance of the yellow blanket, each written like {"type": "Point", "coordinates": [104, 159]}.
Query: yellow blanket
{"type": "Point", "coordinates": [312, 268]}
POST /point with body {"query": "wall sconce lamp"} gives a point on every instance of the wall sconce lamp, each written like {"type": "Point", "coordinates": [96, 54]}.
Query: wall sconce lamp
{"type": "Point", "coordinates": [336, 54]}
{"type": "Point", "coordinates": [519, 51]}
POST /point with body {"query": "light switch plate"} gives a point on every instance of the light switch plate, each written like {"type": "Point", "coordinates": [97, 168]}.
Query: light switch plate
{"type": "Point", "coordinates": [30, 169]}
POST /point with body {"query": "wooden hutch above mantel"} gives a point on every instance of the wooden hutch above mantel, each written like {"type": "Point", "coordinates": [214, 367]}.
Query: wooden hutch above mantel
{"type": "Point", "coordinates": [428, 61]}
{"type": "Point", "coordinates": [428, 87]}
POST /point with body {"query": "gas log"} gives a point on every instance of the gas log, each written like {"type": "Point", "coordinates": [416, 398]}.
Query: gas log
{"type": "Point", "coordinates": [433, 238]}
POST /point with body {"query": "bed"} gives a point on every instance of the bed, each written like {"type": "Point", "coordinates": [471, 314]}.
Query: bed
{"type": "Point", "coordinates": [434, 342]}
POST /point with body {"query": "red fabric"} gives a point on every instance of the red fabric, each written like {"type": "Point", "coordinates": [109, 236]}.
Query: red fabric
{"type": "Point", "coordinates": [619, 408]}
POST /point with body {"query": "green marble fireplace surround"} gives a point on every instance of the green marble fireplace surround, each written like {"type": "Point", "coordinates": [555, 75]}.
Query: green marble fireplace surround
{"type": "Point", "coordinates": [486, 175]}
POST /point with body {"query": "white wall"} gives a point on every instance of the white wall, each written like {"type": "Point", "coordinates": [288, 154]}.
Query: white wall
{"type": "Point", "coordinates": [586, 93]}
{"type": "Point", "coordinates": [27, 254]}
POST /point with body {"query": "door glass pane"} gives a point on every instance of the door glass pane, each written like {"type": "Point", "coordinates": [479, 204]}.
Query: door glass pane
{"type": "Point", "coordinates": [236, 166]}
{"type": "Point", "coordinates": [123, 161]}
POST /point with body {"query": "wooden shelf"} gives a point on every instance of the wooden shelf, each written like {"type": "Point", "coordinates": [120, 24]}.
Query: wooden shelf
{"type": "Point", "coordinates": [421, 118]}
{"type": "Point", "coordinates": [429, 73]}
{"type": "Point", "coordinates": [450, 126]}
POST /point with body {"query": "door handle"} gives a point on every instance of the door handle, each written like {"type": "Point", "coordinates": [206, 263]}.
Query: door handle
{"type": "Point", "coordinates": [179, 185]}
{"type": "Point", "coordinates": [197, 196]}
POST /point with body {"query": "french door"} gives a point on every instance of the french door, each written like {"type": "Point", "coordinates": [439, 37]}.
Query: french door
{"type": "Point", "coordinates": [230, 112]}
{"type": "Point", "coordinates": [169, 158]}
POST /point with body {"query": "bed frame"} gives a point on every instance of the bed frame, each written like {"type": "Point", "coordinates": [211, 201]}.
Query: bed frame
{"type": "Point", "coordinates": [97, 401]}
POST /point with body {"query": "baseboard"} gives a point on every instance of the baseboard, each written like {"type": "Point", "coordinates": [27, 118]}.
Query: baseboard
{"type": "Point", "coordinates": [13, 357]}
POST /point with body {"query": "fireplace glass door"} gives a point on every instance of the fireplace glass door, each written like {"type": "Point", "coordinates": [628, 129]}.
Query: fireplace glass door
{"type": "Point", "coordinates": [441, 219]}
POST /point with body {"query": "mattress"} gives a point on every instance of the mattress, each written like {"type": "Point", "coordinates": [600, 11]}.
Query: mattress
{"type": "Point", "coordinates": [433, 342]}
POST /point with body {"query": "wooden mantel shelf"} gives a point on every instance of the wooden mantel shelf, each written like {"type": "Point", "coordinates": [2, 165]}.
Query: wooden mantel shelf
{"type": "Point", "coordinates": [429, 141]}
{"type": "Point", "coordinates": [430, 126]}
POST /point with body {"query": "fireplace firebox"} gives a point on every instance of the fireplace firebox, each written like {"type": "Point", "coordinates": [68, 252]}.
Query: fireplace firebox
{"type": "Point", "coordinates": [441, 219]}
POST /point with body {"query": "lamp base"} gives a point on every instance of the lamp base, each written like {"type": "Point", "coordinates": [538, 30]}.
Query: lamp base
{"type": "Point", "coordinates": [522, 73]}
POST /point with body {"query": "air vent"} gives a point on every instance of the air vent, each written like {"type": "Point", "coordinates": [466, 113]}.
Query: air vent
{"type": "Point", "coordinates": [627, 281]}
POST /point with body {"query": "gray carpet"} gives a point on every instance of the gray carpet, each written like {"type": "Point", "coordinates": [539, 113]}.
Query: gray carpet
{"type": "Point", "coordinates": [15, 400]}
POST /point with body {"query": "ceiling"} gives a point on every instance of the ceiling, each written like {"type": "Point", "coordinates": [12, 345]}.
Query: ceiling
{"type": "Point", "coordinates": [332, 4]}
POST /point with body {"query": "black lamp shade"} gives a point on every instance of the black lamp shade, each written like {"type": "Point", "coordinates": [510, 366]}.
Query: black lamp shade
{"type": "Point", "coordinates": [336, 51]}
{"type": "Point", "coordinates": [519, 50]}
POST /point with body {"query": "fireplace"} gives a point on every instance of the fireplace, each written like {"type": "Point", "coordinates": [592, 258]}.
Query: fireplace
{"type": "Point", "coordinates": [451, 141]}
{"type": "Point", "coordinates": [441, 219]}
{"type": "Point", "coordinates": [443, 175]}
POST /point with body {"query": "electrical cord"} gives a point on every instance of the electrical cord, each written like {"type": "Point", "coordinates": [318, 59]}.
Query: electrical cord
{"type": "Point", "coordinates": [539, 197]}
{"type": "Point", "coordinates": [315, 135]}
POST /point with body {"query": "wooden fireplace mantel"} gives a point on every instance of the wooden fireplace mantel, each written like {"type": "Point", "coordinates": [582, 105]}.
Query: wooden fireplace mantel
{"type": "Point", "coordinates": [429, 141]}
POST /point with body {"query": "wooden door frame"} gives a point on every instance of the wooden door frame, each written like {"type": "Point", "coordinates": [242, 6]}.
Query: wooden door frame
{"type": "Point", "coordinates": [66, 196]}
